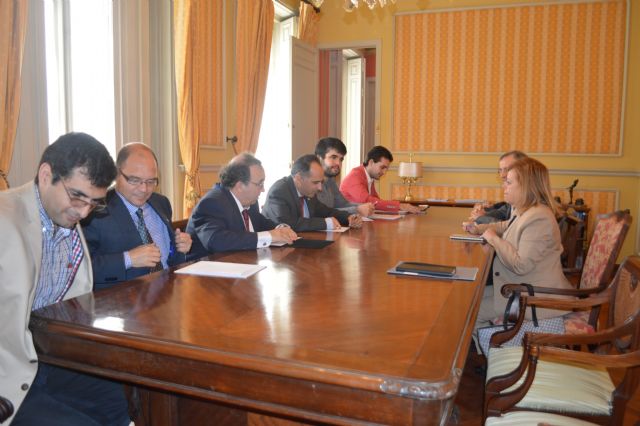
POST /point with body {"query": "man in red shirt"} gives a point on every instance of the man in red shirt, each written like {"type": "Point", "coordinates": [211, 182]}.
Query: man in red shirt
{"type": "Point", "coordinates": [358, 186]}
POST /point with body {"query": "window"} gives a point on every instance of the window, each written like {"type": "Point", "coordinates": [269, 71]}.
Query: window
{"type": "Point", "coordinates": [80, 68]}
{"type": "Point", "coordinates": [275, 131]}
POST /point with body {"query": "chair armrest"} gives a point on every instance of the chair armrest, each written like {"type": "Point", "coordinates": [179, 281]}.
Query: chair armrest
{"type": "Point", "coordinates": [631, 359]}
{"type": "Point", "coordinates": [500, 337]}
{"type": "Point", "coordinates": [509, 289]}
{"type": "Point", "coordinates": [599, 337]}
{"type": "Point", "coordinates": [6, 409]}
{"type": "Point", "coordinates": [566, 304]}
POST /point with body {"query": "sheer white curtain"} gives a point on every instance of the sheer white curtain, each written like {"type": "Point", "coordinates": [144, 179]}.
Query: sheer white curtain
{"type": "Point", "coordinates": [274, 145]}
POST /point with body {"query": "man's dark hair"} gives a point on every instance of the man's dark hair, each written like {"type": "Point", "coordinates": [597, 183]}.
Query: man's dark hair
{"type": "Point", "coordinates": [376, 153]}
{"type": "Point", "coordinates": [129, 148]}
{"type": "Point", "coordinates": [238, 170]}
{"type": "Point", "coordinates": [325, 144]}
{"type": "Point", "coordinates": [79, 151]}
{"type": "Point", "coordinates": [303, 164]}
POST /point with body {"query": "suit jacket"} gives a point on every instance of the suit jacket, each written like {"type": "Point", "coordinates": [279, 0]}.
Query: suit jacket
{"type": "Point", "coordinates": [331, 196]}
{"type": "Point", "coordinates": [112, 232]}
{"type": "Point", "coordinates": [219, 226]}
{"type": "Point", "coordinates": [283, 206]}
{"type": "Point", "coordinates": [529, 252]}
{"type": "Point", "coordinates": [20, 260]}
{"type": "Point", "coordinates": [355, 188]}
{"type": "Point", "coordinates": [496, 213]}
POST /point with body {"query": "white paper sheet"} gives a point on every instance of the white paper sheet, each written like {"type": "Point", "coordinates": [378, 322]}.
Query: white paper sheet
{"type": "Point", "coordinates": [377, 216]}
{"type": "Point", "coordinates": [341, 229]}
{"type": "Point", "coordinates": [220, 269]}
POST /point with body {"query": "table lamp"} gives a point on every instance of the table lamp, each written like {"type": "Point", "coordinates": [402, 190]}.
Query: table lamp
{"type": "Point", "coordinates": [409, 173]}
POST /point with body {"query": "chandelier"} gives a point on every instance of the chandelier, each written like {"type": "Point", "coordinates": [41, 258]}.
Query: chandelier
{"type": "Point", "coordinates": [350, 5]}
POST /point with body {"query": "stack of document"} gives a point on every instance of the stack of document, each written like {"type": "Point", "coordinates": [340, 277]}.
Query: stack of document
{"type": "Point", "coordinates": [220, 269]}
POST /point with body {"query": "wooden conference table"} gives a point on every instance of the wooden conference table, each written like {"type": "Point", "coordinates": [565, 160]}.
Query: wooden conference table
{"type": "Point", "coordinates": [319, 336]}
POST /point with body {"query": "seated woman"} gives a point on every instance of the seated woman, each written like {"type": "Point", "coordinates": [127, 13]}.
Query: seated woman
{"type": "Point", "coordinates": [528, 245]}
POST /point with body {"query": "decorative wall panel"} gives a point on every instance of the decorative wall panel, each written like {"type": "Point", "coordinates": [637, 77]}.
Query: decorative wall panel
{"type": "Point", "coordinates": [538, 78]}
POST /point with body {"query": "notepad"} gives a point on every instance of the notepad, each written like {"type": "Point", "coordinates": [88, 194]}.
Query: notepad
{"type": "Point", "coordinates": [391, 212]}
{"type": "Point", "coordinates": [462, 274]}
{"type": "Point", "coordinates": [468, 238]}
{"type": "Point", "coordinates": [220, 269]}
{"type": "Point", "coordinates": [341, 229]}
{"type": "Point", "coordinates": [378, 216]}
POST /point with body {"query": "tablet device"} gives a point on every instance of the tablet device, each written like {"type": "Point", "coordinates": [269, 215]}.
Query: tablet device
{"type": "Point", "coordinates": [426, 269]}
{"type": "Point", "coordinates": [468, 237]}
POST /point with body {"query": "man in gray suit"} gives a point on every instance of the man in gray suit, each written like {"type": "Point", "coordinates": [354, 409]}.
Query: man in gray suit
{"type": "Point", "coordinates": [292, 200]}
{"type": "Point", "coordinates": [331, 152]}
{"type": "Point", "coordinates": [498, 212]}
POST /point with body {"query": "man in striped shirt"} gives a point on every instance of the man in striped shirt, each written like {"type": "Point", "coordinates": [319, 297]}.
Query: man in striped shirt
{"type": "Point", "coordinates": [43, 260]}
{"type": "Point", "coordinates": [134, 237]}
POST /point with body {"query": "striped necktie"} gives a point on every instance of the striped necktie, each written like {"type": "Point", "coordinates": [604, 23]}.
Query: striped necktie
{"type": "Point", "coordinates": [146, 236]}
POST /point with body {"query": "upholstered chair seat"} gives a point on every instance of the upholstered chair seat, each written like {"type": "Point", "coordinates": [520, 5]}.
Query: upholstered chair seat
{"type": "Point", "coordinates": [558, 386]}
{"type": "Point", "coordinates": [526, 418]}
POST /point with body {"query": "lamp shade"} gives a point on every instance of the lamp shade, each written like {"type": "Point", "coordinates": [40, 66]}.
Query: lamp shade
{"type": "Point", "coordinates": [410, 169]}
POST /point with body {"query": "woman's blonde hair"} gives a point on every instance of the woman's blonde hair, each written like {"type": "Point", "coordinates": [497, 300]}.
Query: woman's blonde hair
{"type": "Point", "coordinates": [533, 177]}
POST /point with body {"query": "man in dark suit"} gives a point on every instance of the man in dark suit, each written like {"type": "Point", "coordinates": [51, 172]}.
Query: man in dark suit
{"type": "Point", "coordinates": [228, 218]}
{"type": "Point", "coordinates": [133, 237]}
{"type": "Point", "coordinates": [293, 200]}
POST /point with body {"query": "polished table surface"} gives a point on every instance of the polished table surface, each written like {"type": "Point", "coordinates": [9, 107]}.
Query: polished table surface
{"type": "Point", "coordinates": [319, 335]}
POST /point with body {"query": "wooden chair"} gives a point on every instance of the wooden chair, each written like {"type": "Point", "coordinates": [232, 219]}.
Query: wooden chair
{"type": "Point", "coordinates": [182, 224]}
{"type": "Point", "coordinates": [572, 230]}
{"type": "Point", "coordinates": [6, 409]}
{"type": "Point", "coordinates": [599, 265]}
{"type": "Point", "coordinates": [545, 376]}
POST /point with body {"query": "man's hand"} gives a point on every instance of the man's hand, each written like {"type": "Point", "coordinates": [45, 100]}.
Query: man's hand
{"type": "Point", "coordinates": [365, 209]}
{"type": "Point", "coordinates": [283, 235]}
{"type": "Point", "coordinates": [336, 223]}
{"type": "Point", "coordinates": [470, 227]}
{"type": "Point", "coordinates": [409, 207]}
{"type": "Point", "coordinates": [355, 221]}
{"type": "Point", "coordinates": [478, 210]}
{"type": "Point", "coordinates": [183, 241]}
{"type": "Point", "coordinates": [145, 256]}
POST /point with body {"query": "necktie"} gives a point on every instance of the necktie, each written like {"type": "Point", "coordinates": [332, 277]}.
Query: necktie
{"type": "Point", "coordinates": [146, 236]}
{"type": "Point", "coordinates": [245, 217]}
{"type": "Point", "coordinates": [301, 206]}
{"type": "Point", "coordinates": [371, 188]}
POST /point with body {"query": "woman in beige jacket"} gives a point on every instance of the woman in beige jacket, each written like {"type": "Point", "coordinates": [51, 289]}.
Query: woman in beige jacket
{"type": "Point", "coordinates": [528, 245]}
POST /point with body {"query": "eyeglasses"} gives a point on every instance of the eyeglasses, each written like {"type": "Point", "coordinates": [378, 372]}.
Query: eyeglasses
{"type": "Point", "coordinates": [136, 181]}
{"type": "Point", "coordinates": [258, 184]}
{"type": "Point", "coordinates": [77, 199]}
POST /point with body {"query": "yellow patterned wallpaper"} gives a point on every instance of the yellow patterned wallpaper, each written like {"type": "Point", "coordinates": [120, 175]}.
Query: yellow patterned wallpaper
{"type": "Point", "coordinates": [539, 78]}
